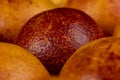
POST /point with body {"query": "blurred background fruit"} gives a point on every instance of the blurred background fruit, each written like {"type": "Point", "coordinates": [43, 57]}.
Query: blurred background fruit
{"type": "Point", "coordinates": [18, 64]}
{"type": "Point", "coordinates": [117, 31]}
{"type": "Point", "coordinates": [105, 12]}
{"type": "Point", "coordinates": [15, 13]}
{"type": "Point", "coordinates": [97, 60]}
{"type": "Point", "coordinates": [60, 3]}
{"type": "Point", "coordinates": [54, 35]}
{"type": "Point", "coordinates": [54, 77]}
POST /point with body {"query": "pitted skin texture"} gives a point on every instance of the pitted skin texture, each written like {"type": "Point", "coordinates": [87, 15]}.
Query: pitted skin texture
{"type": "Point", "coordinates": [98, 60]}
{"type": "Point", "coordinates": [53, 36]}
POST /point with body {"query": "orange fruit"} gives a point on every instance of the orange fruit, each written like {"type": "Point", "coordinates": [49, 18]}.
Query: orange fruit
{"type": "Point", "coordinates": [15, 13]}
{"type": "Point", "coordinates": [98, 60]}
{"type": "Point", "coordinates": [18, 64]}
{"type": "Point", "coordinates": [106, 13]}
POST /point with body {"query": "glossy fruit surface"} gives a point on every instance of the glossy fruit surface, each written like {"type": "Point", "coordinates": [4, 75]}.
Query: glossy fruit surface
{"type": "Point", "coordinates": [54, 35]}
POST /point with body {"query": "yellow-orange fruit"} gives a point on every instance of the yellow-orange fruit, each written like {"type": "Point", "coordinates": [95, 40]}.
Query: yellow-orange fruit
{"type": "Point", "coordinates": [15, 13]}
{"type": "Point", "coordinates": [98, 60]}
{"type": "Point", "coordinates": [106, 13]}
{"type": "Point", "coordinates": [17, 63]}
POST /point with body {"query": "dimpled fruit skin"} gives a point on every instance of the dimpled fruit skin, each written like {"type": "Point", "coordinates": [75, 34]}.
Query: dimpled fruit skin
{"type": "Point", "coordinates": [54, 35]}
{"type": "Point", "coordinates": [98, 60]}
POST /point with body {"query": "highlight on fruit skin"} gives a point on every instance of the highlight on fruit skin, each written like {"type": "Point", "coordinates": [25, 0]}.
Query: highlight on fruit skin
{"type": "Point", "coordinates": [97, 60]}
{"type": "Point", "coordinates": [106, 13]}
{"type": "Point", "coordinates": [17, 63]}
{"type": "Point", "coordinates": [60, 3]}
{"type": "Point", "coordinates": [54, 35]}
